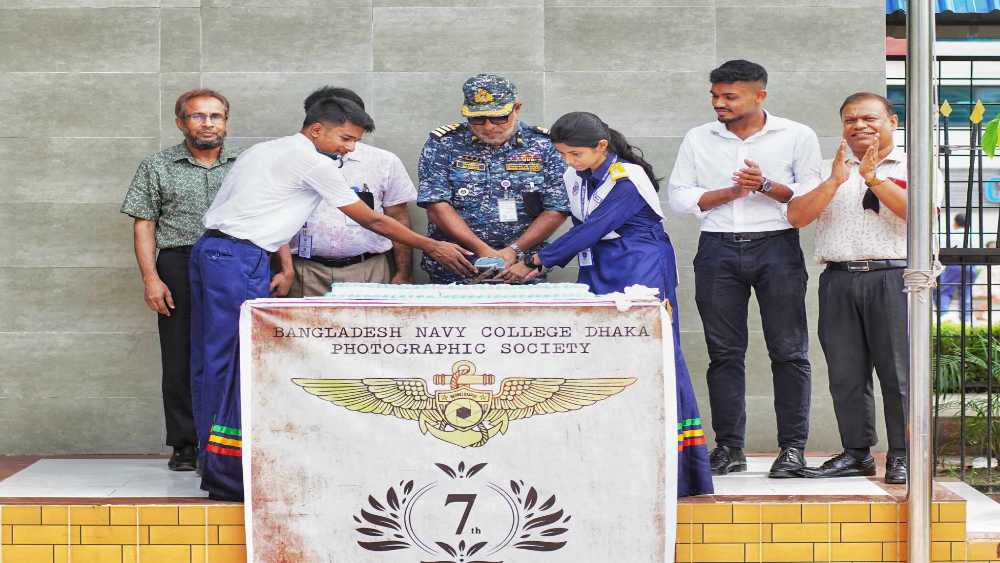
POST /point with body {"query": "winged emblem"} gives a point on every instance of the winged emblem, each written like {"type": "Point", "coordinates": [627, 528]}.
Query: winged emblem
{"type": "Point", "coordinates": [461, 414]}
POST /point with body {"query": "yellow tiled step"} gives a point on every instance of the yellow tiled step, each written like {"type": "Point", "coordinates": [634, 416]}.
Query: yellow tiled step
{"type": "Point", "coordinates": [849, 532]}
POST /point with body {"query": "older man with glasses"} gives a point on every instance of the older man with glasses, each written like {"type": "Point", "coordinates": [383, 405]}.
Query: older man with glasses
{"type": "Point", "coordinates": [491, 184]}
{"type": "Point", "coordinates": [168, 198]}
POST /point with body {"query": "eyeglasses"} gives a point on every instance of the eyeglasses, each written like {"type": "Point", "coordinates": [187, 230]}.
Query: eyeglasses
{"type": "Point", "coordinates": [495, 120]}
{"type": "Point", "coordinates": [202, 118]}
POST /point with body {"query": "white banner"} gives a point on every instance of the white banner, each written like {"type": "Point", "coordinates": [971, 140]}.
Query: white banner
{"type": "Point", "coordinates": [481, 433]}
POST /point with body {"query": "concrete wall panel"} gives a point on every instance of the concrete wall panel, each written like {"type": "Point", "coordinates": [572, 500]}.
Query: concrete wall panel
{"type": "Point", "coordinates": [458, 39]}
{"type": "Point", "coordinates": [820, 43]}
{"type": "Point", "coordinates": [70, 170]}
{"type": "Point", "coordinates": [73, 300]}
{"type": "Point", "coordinates": [74, 234]}
{"type": "Point", "coordinates": [318, 38]}
{"type": "Point", "coordinates": [75, 40]}
{"type": "Point", "coordinates": [663, 39]}
{"type": "Point", "coordinates": [42, 105]}
{"type": "Point", "coordinates": [180, 40]}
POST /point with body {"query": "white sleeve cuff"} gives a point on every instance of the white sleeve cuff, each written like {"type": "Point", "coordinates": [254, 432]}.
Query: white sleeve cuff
{"type": "Point", "coordinates": [685, 200]}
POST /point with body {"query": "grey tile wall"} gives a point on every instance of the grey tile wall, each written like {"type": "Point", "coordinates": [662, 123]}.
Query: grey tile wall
{"type": "Point", "coordinates": [74, 40]}
{"type": "Point", "coordinates": [88, 89]}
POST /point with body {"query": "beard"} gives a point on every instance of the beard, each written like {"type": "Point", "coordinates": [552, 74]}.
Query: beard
{"type": "Point", "coordinates": [728, 117]}
{"type": "Point", "coordinates": [203, 144]}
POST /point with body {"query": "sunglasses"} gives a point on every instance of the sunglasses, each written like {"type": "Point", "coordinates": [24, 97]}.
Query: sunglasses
{"type": "Point", "coordinates": [497, 120]}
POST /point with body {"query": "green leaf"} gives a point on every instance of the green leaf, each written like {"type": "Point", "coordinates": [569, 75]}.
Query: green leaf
{"type": "Point", "coordinates": [989, 140]}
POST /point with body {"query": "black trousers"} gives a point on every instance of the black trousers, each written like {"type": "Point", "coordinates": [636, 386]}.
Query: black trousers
{"type": "Point", "coordinates": [774, 268]}
{"type": "Point", "coordinates": [862, 325]}
{"type": "Point", "coordinates": [175, 347]}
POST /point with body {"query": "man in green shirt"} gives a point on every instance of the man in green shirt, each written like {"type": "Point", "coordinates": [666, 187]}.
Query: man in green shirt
{"type": "Point", "coordinates": [168, 198]}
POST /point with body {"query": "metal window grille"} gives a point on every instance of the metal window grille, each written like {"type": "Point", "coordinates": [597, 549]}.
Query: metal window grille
{"type": "Point", "coordinates": [966, 350]}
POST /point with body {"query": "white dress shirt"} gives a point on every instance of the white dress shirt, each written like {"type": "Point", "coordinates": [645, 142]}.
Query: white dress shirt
{"type": "Point", "coordinates": [845, 231]}
{"type": "Point", "coordinates": [335, 235]}
{"type": "Point", "coordinates": [273, 188]}
{"type": "Point", "coordinates": [786, 151]}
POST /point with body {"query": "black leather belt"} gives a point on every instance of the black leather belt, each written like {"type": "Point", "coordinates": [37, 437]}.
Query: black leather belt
{"type": "Point", "coordinates": [184, 248]}
{"type": "Point", "coordinates": [866, 265]}
{"type": "Point", "coordinates": [747, 237]}
{"type": "Point", "coordinates": [344, 262]}
{"type": "Point", "coordinates": [215, 233]}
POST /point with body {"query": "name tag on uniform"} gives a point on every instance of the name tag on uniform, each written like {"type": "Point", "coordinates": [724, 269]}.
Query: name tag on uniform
{"type": "Point", "coordinates": [524, 162]}
{"type": "Point", "coordinates": [585, 258]}
{"type": "Point", "coordinates": [470, 163]}
{"type": "Point", "coordinates": [524, 166]}
{"type": "Point", "coordinates": [507, 209]}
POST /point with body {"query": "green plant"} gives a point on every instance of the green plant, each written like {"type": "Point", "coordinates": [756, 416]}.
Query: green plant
{"type": "Point", "coordinates": [947, 358]}
{"type": "Point", "coordinates": [989, 138]}
{"type": "Point", "coordinates": [978, 425]}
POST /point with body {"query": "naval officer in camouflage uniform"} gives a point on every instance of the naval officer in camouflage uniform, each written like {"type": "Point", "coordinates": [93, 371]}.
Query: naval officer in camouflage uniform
{"type": "Point", "coordinates": [492, 184]}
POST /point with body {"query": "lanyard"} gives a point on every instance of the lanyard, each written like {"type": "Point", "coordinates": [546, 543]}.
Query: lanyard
{"type": "Point", "coordinates": [585, 198]}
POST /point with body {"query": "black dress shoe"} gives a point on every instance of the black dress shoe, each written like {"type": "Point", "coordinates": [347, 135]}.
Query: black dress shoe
{"type": "Point", "coordinates": [788, 464]}
{"type": "Point", "coordinates": [725, 459]}
{"type": "Point", "coordinates": [185, 458]}
{"type": "Point", "coordinates": [842, 465]}
{"type": "Point", "coordinates": [895, 470]}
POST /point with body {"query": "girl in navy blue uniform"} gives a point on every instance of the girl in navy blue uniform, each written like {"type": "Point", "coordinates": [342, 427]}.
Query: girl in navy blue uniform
{"type": "Point", "coordinates": [619, 241]}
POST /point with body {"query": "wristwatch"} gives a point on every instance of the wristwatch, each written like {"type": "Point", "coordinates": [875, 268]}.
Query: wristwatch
{"type": "Point", "coordinates": [874, 182]}
{"type": "Point", "coordinates": [528, 261]}
{"type": "Point", "coordinates": [765, 186]}
{"type": "Point", "coordinates": [517, 249]}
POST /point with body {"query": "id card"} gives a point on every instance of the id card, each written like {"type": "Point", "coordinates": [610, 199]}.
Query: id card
{"type": "Point", "coordinates": [507, 210]}
{"type": "Point", "coordinates": [305, 245]}
{"type": "Point", "coordinates": [585, 258]}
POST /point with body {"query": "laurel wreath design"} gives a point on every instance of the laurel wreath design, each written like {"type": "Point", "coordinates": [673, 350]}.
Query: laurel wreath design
{"type": "Point", "coordinates": [459, 553]}
{"type": "Point", "coordinates": [459, 472]}
{"type": "Point", "coordinates": [385, 518]}
{"type": "Point", "coordinates": [541, 525]}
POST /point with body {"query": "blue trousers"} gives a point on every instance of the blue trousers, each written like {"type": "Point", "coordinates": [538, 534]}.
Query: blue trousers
{"type": "Point", "coordinates": [224, 274]}
{"type": "Point", "coordinates": [951, 287]}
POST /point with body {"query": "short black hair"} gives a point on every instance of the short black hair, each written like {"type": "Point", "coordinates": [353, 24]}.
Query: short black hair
{"type": "Point", "coordinates": [960, 220]}
{"type": "Point", "coordinates": [332, 92]}
{"type": "Point", "coordinates": [860, 96]}
{"type": "Point", "coordinates": [738, 70]}
{"type": "Point", "coordinates": [337, 111]}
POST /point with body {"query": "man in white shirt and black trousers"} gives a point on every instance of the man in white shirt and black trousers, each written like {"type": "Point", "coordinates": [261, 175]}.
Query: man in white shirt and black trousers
{"type": "Point", "coordinates": [860, 214]}
{"type": "Point", "coordinates": [263, 202]}
{"type": "Point", "coordinates": [737, 174]}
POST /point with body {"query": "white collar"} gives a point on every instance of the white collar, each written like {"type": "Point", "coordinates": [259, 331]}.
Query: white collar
{"type": "Point", "coordinates": [895, 155]}
{"type": "Point", "coordinates": [771, 123]}
{"type": "Point", "coordinates": [359, 154]}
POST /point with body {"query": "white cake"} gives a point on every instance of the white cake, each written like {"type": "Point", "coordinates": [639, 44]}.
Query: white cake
{"type": "Point", "coordinates": [461, 293]}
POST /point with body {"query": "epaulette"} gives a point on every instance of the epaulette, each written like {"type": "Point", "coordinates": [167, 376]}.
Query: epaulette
{"type": "Point", "coordinates": [542, 130]}
{"type": "Point", "coordinates": [617, 171]}
{"type": "Point", "coordinates": [445, 129]}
